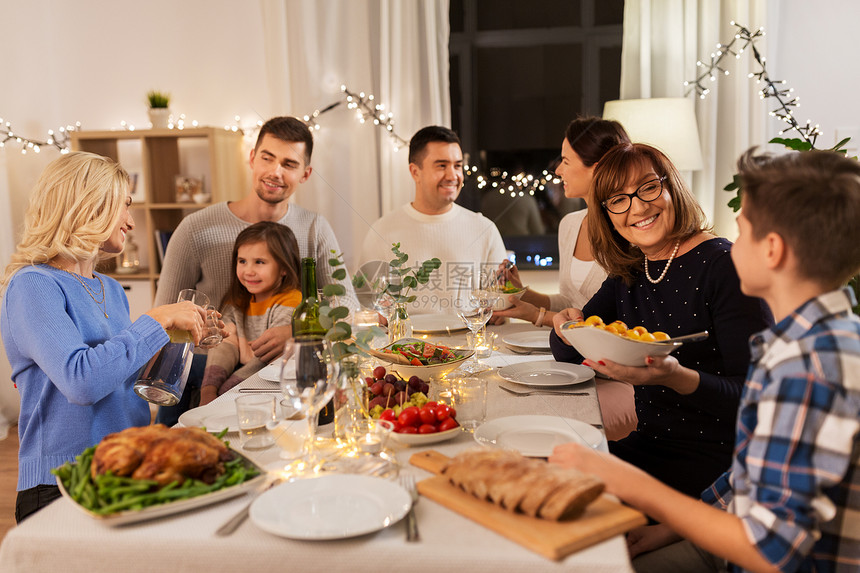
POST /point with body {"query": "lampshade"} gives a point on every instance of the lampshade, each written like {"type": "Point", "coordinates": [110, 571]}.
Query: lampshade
{"type": "Point", "coordinates": [669, 124]}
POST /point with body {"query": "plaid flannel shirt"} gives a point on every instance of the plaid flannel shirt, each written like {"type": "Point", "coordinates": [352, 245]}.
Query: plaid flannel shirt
{"type": "Point", "coordinates": [795, 477]}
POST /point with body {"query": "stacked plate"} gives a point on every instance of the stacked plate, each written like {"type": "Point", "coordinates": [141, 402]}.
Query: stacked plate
{"type": "Point", "coordinates": [528, 341]}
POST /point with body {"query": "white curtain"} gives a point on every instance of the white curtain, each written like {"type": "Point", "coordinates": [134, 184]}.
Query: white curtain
{"type": "Point", "coordinates": [662, 41]}
{"type": "Point", "coordinates": [397, 51]}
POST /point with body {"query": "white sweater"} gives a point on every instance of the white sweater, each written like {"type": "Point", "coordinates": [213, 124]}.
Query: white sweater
{"type": "Point", "coordinates": [459, 238]}
{"type": "Point", "coordinates": [577, 280]}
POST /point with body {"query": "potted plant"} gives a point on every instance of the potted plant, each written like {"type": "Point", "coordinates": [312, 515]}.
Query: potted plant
{"type": "Point", "coordinates": [159, 112]}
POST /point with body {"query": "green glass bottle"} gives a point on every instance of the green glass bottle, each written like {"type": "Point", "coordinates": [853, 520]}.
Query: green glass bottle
{"type": "Point", "coordinates": [307, 327]}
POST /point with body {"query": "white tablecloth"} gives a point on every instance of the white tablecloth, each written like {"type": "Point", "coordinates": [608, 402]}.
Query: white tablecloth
{"type": "Point", "coordinates": [62, 538]}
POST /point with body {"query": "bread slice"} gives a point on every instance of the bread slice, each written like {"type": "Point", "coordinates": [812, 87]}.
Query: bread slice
{"type": "Point", "coordinates": [517, 483]}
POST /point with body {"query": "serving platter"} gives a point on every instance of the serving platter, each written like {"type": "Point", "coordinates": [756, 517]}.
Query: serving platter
{"type": "Point", "coordinates": [333, 506]}
{"type": "Point", "coordinates": [596, 344]}
{"type": "Point", "coordinates": [177, 506]}
{"type": "Point", "coordinates": [546, 373]}
{"type": "Point", "coordinates": [534, 435]}
{"type": "Point", "coordinates": [426, 439]}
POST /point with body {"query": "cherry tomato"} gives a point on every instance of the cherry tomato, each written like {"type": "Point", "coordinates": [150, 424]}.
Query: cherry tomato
{"type": "Point", "coordinates": [427, 414]}
{"type": "Point", "coordinates": [427, 429]}
{"type": "Point", "coordinates": [443, 412]}
{"type": "Point", "coordinates": [397, 427]}
{"type": "Point", "coordinates": [408, 430]}
{"type": "Point", "coordinates": [409, 417]}
{"type": "Point", "coordinates": [379, 372]}
{"type": "Point", "coordinates": [432, 403]}
{"type": "Point", "coordinates": [387, 414]}
{"type": "Point", "coordinates": [448, 424]}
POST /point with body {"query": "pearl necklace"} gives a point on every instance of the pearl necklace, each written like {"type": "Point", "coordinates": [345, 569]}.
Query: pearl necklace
{"type": "Point", "coordinates": [666, 268]}
{"type": "Point", "coordinates": [91, 292]}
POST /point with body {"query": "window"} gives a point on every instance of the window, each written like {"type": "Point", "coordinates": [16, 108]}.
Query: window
{"type": "Point", "coordinates": [520, 71]}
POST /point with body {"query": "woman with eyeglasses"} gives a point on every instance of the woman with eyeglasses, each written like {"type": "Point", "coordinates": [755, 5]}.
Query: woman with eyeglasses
{"type": "Point", "coordinates": [668, 272]}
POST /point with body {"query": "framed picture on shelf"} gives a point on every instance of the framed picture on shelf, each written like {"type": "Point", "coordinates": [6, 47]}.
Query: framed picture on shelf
{"type": "Point", "coordinates": [132, 187]}
{"type": "Point", "coordinates": [190, 189]}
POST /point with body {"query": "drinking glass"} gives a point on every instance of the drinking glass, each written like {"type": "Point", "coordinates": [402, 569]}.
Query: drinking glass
{"type": "Point", "coordinates": [474, 305]}
{"type": "Point", "coordinates": [310, 389]}
{"type": "Point", "coordinates": [211, 332]}
{"type": "Point", "coordinates": [381, 299]}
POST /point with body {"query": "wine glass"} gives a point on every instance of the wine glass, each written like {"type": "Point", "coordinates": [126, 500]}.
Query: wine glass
{"type": "Point", "coordinates": [474, 305]}
{"type": "Point", "coordinates": [310, 387]}
{"type": "Point", "coordinates": [381, 299]}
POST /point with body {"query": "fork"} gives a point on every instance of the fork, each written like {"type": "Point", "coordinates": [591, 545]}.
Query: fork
{"type": "Point", "coordinates": [551, 392]}
{"type": "Point", "coordinates": [408, 483]}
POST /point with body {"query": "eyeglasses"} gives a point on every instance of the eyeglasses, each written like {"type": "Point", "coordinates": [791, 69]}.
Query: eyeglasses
{"type": "Point", "coordinates": [647, 192]}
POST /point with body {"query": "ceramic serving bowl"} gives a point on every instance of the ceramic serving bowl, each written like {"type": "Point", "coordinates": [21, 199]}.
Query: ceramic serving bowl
{"type": "Point", "coordinates": [504, 301]}
{"type": "Point", "coordinates": [426, 372]}
{"type": "Point", "coordinates": [597, 344]}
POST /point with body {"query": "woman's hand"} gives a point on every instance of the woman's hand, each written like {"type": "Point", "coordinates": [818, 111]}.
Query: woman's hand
{"type": "Point", "coordinates": [520, 309]}
{"type": "Point", "coordinates": [510, 273]}
{"type": "Point", "coordinates": [183, 315]}
{"type": "Point", "coordinates": [657, 371]}
{"type": "Point", "coordinates": [565, 315]}
{"type": "Point", "coordinates": [649, 537]}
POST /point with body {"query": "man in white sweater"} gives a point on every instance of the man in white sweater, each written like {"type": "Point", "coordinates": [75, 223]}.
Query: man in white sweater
{"type": "Point", "coordinates": [200, 249]}
{"type": "Point", "coordinates": [433, 225]}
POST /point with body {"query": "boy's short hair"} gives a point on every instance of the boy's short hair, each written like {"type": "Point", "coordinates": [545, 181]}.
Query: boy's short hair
{"type": "Point", "coordinates": [812, 200]}
{"type": "Point", "coordinates": [426, 135]}
{"type": "Point", "coordinates": [288, 129]}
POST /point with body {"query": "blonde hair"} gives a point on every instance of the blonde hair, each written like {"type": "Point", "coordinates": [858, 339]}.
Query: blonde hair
{"type": "Point", "coordinates": [72, 211]}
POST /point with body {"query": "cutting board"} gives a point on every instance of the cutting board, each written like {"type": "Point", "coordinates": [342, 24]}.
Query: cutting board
{"type": "Point", "coordinates": [602, 519]}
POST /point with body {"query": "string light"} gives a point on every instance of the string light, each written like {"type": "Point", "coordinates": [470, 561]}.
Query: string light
{"type": "Point", "coordinates": [742, 40]}
{"type": "Point", "coordinates": [59, 139]}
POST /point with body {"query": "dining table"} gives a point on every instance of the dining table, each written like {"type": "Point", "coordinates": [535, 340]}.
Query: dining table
{"type": "Point", "coordinates": [61, 537]}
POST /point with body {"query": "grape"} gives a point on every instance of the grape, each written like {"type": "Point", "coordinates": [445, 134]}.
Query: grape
{"type": "Point", "coordinates": [415, 383]}
{"type": "Point", "coordinates": [425, 387]}
{"type": "Point", "coordinates": [401, 398]}
{"type": "Point", "coordinates": [388, 389]}
{"type": "Point", "coordinates": [376, 388]}
{"type": "Point", "coordinates": [379, 372]}
{"type": "Point", "coordinates": [390, 378]}
{"type": "Point", "coordinates": [400, 385]}
{"type": "Point", "coordinates": [378, 401]}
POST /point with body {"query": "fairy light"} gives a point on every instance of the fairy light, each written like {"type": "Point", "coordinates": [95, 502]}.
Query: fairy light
{"type": "Point", "coordinates": [743, 39]}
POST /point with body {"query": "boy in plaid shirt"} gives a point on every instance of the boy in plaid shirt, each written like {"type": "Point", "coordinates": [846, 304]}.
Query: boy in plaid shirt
{"type": "Point", "coordinates": [791, 499]}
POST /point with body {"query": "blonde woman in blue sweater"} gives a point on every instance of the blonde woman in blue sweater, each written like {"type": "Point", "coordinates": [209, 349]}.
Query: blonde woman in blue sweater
{"type": "Point", "coordinates": [73, 349]}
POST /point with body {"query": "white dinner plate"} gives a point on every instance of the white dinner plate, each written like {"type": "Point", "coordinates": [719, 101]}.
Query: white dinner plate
{"type": "Point", "coordinates": [334, 506]}
{"type": "Point", "coordinates": [272, 372]}
{"type": "Point", "coordinates": [546, 373]}
{"type": "Point", "coordinates": [436, 323]}
{"type": "Point", "coordinates": [214, 416]}
{"type": "Point", "coordinates": [528, 340]}
{"type": "Point", "coordinates": [536, 436]}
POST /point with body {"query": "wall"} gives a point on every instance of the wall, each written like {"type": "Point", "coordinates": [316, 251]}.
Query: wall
{"type": "Point", "coordinates": [811, 45]}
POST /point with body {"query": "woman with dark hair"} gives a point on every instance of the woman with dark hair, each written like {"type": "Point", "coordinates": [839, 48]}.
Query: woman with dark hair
{"type": "Point", "coordinates": [667, 272]}
{"type": "Point", "coordinates": [585, 141]}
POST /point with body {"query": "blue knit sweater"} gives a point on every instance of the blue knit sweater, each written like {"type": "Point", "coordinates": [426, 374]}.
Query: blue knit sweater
{"type": "Point", "coordinates": [73, 367]}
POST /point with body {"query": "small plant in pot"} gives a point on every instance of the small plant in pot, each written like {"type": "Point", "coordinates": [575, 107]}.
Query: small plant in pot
{"type": "Point", "coordinates": [159, 114]}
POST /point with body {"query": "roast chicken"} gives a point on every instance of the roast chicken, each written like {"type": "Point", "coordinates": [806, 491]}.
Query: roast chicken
{"type": "Point", "coordinates": [162, 454]}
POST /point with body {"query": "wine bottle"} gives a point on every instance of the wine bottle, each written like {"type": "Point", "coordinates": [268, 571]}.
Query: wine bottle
{"type": "Point", "coordinates": [307, 327]}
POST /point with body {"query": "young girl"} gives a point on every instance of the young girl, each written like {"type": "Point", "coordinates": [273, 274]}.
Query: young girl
{"type": "Point", "coordinates": [264, 292]}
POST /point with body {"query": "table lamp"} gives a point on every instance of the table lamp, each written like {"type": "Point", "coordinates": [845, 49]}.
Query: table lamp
{"type": "Point", "coordinates": [668, 124]}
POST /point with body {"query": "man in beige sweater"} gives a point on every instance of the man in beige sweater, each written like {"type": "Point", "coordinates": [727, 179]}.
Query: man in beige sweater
{"type": "Point", "coordinates": [198, 255]}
